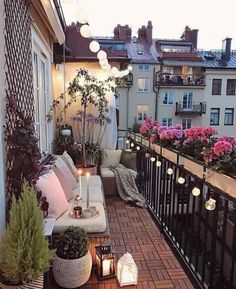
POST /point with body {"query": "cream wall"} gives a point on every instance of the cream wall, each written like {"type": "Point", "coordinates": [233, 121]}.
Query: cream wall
{"type": "Point", "coordinates": [2, 114]}
{"type": "Point", "coordinates": [136, 98]}
{"type": "Point", "coordinates": [168, 111]}
{"type": "Point", "coordinates": [220, 101]}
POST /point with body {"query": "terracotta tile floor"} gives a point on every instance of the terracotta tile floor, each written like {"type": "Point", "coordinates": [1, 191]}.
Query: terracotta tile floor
{"type": "Point", "coordinates": [133, 230]}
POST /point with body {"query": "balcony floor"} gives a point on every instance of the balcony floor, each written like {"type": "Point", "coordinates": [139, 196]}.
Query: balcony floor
{"type": "Point", "coordinates": [133, 230]}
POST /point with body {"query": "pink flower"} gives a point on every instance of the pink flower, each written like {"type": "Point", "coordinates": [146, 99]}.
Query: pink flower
{"type": "Point", "coordinates": [222, 147]}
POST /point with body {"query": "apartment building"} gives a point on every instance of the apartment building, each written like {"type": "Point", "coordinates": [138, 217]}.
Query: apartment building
{"type": "Point", "coordinates": [138, 98]}
{"type": "Point", "coordinates": [220, 90]}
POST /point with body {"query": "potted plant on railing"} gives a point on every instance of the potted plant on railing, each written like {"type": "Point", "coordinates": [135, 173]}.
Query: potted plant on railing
{"type": "Point", "coordinates": [72, 263]}
{"type": "Point", "coordinates": [24, 252]}
{"type": "Point", "coordinates": [86, 91]}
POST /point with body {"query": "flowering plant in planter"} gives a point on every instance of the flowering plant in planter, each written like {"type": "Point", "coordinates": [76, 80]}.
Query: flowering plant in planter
{"type": "Point", "coordinates": [170, 136]}
{"type": "Point", "coordinates": [222, 155]}
{"type": "Point", "coordinates": [149, 129]}
{"type": "Point", "coordinates": [196, 139]}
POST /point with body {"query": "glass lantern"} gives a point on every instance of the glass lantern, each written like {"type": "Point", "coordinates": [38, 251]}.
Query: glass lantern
{"type": "Point", "coordinates": [127, 271]}
{"type": "Point", "coordinates": [105, 262]}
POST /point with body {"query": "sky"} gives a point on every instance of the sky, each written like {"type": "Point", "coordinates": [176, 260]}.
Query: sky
{"type": "Point", "coordinates": [215, 20]}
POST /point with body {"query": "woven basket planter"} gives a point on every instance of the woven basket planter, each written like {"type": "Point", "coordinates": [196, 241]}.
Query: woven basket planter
{"type": "Point", "coordinates": [72, 273]}
{"type": "Point", "coordinates": [37, 284]}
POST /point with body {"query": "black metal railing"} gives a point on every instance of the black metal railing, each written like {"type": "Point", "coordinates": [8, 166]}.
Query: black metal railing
{"type": "Point", "coordinates": [204, 239]}
{"type": "Point", "coordinates": [192, 108]}
{"type": "Point", "coordinates": [180, 80]}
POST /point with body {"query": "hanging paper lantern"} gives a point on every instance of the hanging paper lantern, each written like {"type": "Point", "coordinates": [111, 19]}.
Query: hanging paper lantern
{"type": "Point", "coordinates": [130, 68]}
{"type": "Point", "coordinates": [102, 55]}
{"type": "Point", "coordinates": [94, 46]}
{"type": "Point", "coordinates": [85, 31]}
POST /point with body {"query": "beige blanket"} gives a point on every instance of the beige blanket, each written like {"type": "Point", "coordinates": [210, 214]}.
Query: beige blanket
{"type": "Point", "coordinates": [126, 185]}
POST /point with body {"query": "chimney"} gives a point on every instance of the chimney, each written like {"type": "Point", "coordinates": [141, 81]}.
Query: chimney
{"type": "Point", "coordinates": [149, 32]}
{"type": "Point", "coordinates": [190, 35]}
{"type": "Point", "coordinates": [123, 32]}
{"type": "Point", "coordinates": [226, 49]}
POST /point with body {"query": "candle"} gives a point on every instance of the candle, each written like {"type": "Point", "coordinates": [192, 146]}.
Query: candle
{"type": "Point", "coordinates": [106, 264]}
{"type": "Point", "coordinates": [87, 175]}
{"type": "Point", "coordinates": [80, 183]}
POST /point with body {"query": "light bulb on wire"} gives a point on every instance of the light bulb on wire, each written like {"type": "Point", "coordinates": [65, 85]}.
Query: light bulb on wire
{"type": "Point", "coordinates": [181, 180]}
{"type": "Point", "coordinates": [169, 171]}
{"type": "Point", "coordinates": [196, 191]}
{"type": "Point", "coordinates": [210, 204]}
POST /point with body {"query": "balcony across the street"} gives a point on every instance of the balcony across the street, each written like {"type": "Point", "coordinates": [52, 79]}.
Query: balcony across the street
{"type": "Point", "coordinates": [198, 108]}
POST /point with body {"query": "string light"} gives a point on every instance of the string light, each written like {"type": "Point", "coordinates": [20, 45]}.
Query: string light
{"type": "Point", "coordinates": [130, 68]}
{"type": "Point", "coordinates": [127, 141]}
{"type": "Point", "coordinates": [210, 204]}
{"type": "Point", "coordinates": [170, 171]}
{"type": "Point", "coordinates": [158, 163]}
{"type": "Point", "coordinates": [138, 148]}
{"type": "Point", "coordinates": [181, 180]}
{"type": "Point", "coordinates": [152, 159]}
{"type": "Point", "coordinates": [132, 145]}
{"type": "Point", "coordinates": [196, 192]}
{"type": "Point", "coordinates": [147, 155]}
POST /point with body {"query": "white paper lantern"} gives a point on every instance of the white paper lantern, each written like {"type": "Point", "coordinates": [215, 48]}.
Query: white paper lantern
{"type": "Point", "coordinates": [130, 68]}
{"type": "Point", "coordinates": [103, 62]}
{"type": "Point", "coordinates": [94, 46]}
{"type": "Point", "coordinates": [127, 270]}
{"type": "Point", "coordinates": [85, 31]}
{"type": "Point", "coordinates": [114, 71]}
{"type": "Point", "coordinates": [126, 72]}
{"type": "Point", "coordinates": [102, 55]}
{"type": "Point", "coordinates": [106, 67]}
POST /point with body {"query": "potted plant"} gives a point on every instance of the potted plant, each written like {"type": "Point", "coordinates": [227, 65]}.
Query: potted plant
{"type": "Point", "coordinates": [84, 90]}
{"type": "Point", "coordinates": [72, 262]}
{"type": "Point", "coordinates": [24, 251]}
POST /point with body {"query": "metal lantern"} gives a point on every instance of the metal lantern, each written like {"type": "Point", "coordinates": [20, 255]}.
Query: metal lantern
{"type": "Point", "coordinates": [127, 270]}
{"type": "Point", "coordinates": [105, 262]}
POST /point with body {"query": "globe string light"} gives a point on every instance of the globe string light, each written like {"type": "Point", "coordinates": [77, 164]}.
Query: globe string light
{"type": "Point", "coordinates": [94, 47]}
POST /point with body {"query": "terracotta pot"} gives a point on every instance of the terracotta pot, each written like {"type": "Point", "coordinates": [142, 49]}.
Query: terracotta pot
{"type": "Point", "coordinates": [37, 284]}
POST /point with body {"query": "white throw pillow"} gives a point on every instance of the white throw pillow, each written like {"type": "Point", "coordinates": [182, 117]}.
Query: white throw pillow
{"type": "Point", "coordinates": [110, 158]}
{"type": "Point", "coordinates": [65, 177]}
{"type": "Point", "coordinates": [51, 188]}
{"type": "Point", "coordinates": [68, 160]}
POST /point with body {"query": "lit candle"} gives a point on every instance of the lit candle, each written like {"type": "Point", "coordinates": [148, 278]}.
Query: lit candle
{"type": "Point", "coordinates": [87, 175]}
{"type": "Point", "coordinates": [106, 264]}
{"type": "Point", "coordinates": [80, 183]}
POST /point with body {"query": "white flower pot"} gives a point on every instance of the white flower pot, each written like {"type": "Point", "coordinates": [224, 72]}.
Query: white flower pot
{"type": "Point", "coordinates": [66, 132]}
{"type": "Point", "coordinates": [37, 284]}
{"type": "Point", "coordinates": [221, 181]}
{"type": "Point", "coordinates": [72, 273]}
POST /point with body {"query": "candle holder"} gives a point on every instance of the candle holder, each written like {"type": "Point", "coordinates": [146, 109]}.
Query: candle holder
{"type": "Point", "coordinates": [77, 211]}
{"type": "Point", "coordinates": [105, 262]}
{"type": "Point", "coordinates": [77, 199]}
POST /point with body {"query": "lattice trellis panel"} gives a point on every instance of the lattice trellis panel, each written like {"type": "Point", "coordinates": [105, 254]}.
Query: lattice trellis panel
{"type": "Point", "coordinates": [18, 52]}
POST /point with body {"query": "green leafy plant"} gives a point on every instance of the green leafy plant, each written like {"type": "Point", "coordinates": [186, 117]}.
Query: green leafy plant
{"type": "Point", "coordinates": [84, 90]}
{"type": "Point", "coordinates": [72, 244]}
{"type": "Point", "coordinates": [23, 153]}
{"type": "Point", "coordinates": [136, 126]}
{"type": "Point", "coordinates": [24, 249]}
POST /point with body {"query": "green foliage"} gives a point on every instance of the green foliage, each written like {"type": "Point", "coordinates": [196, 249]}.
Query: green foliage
{"type": "Point", "coordinates": [136, 126]}
{"type": "Point", "coordinates": [24, 249]}
{"type": "Point", "coordinates": [72, 244]}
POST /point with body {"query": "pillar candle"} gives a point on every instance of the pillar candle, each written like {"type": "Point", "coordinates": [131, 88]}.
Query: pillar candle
{"type": "Point", "coordinates": [87, 176]}
{"type": "Point", "coordinates": [80, 183]}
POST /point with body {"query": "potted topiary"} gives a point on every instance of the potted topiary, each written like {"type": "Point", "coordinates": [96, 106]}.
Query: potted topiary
{"type": "Point", "coordinates": [24, 251]}
{"type": "Point", "coordinates": [72, 262]}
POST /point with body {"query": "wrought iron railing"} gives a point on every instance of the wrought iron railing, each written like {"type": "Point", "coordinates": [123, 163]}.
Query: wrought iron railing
{"type": "Point", "coordinates": [180, 202]}
{"type": "Point", "coordinates": [192, 108]}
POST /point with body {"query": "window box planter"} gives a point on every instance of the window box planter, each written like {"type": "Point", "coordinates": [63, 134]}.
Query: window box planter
{"type": "Point", "coordinates": [145, 142]}
{"type": "Point", "coordinates": [221, 181]}
{"type": "Point", "coordinates": [193, 166]}
{"type": "Point", "coordinates": [170, 155]}
{"type": "Point", "coordinates": [157, 149]}
{"type": "Point", "coordinates": [133, 135]}
{"type": "Point", "coordinates": [138, 138]}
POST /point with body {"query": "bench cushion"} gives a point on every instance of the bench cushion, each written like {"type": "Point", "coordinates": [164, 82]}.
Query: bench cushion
{"type": "Point", "coordinates": [110, 158]}
{"type": "Point", "coordinates": [96, 224]}
{"type": "Point", "coordinates": [108, 173]}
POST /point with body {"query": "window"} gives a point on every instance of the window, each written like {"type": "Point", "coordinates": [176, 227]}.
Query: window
{"type": "Point", "coordinates": [143, 84]}
{"type": "Point", "coordinates": [229, 116]}
{"type": "Point", "coordinates": [142, 112]}
{"type": "Point", "coordinates": [215, 116]}
{"type": "Point", "coordinates": [188, 101]}
{"type": "Point", "coordinates": [41, 66]}
{"type": "Point", "coordinates": [231, 84]}
{"type": "Point", "coordinates": [216, 86]}
{"type": "Point", "coordinates": [166, 121]}
{"type": "Point", "coordinates": [143, 67]}
{"type": "Point", "coordinates": [168, 98]}
{"type": "Point", "coordinates": [186, 123]}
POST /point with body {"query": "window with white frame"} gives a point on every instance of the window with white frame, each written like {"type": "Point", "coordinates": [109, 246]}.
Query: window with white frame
{"type": "Point", "coordinates": [143, 67]}
{"type": "Point", "coordinates": [168, 98]}
{"type": "Point", "coordinates": [166, 121]}
{"type": "Point", "coordinates": [186, 123]}
{"type": "Point", "coordinates": [42, 97]}
{"type": "Point", "coordinates": [143, 84]}
{"type": "Point", "coordinates": [142, 112]}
